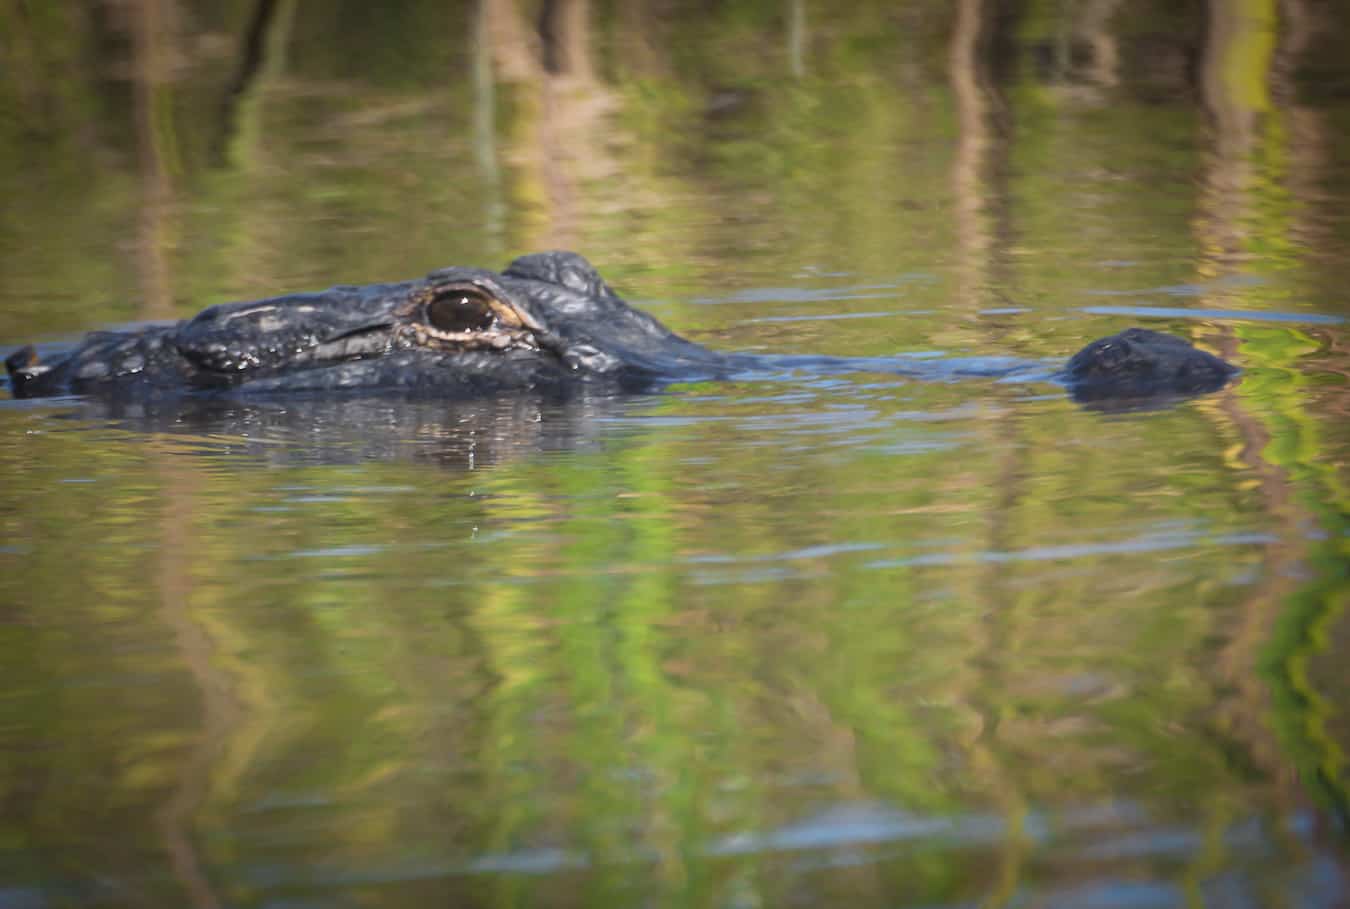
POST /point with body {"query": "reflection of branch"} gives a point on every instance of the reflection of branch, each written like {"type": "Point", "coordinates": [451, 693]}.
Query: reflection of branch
{"type": "Point", "coordinates": [797, 38]}
{"type": "Point", "coordinates": [157, 191]}
{"type": "Point", "coordinates": [259, 39]}
{"type": "Point", "coordinates": [1222, 206]}
{"type": "Point", "coordinates": [250, 63]}
{"type": "Point", "coordinates": [978, 142]}
{"type": "Point", "coordinates": [560, 139]}
{"type": "Point", "coordinates": [1308, 152]}
{"type": "Point", "coordinates": [982, 143]}
{"type": "Point", "coordinates": [1091, 29]}
{"type": "Point", "coordinates": [485, 122]}
{"type": "Point", "coordinates": [219, 708]}
{"type": "Point", "coordinates": [1235, 70]}
{"type": "Point", "coordinates": [510, 42]}
{"type": "Point", "coordinates": [1308, 147]}
{"type": "Point", "coordinates": [972, 142]}
{"type": "Point", "coordinates": [174, 816]}
{"type": "Point", "coordinates": [835, 752]}
{"type": "Point", "coordinates": [562, 27]}
{"type": "Point", "coordinates": [1244, 715]}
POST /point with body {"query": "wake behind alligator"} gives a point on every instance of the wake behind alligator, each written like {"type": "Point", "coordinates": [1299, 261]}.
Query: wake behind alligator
{"type": "Point", "coordinates": [547, 323]}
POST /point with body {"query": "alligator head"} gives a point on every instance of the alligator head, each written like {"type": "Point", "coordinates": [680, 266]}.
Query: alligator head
{"type": "Point", "coordinates": [546, 321]}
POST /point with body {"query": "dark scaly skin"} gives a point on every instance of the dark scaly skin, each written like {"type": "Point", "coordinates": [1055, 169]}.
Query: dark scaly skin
{"type": "Point", "coordinates": [1138, 363]}
{"type": "Point", "coordinates": [547, 323]}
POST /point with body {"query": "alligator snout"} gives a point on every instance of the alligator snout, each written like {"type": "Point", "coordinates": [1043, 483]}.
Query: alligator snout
{"type": "Point", "coordinates": [237, 338]}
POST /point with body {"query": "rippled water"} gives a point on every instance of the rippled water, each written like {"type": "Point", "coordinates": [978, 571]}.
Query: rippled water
{"type": "Point", "coordinates": [793, 641]}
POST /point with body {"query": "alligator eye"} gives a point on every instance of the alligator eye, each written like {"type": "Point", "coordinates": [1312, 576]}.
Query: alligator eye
{"type": "Point", "coordinates": [461, 310]}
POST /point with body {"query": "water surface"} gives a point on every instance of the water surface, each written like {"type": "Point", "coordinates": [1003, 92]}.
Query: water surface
{"type": "Point", "coordinates": [803, 640]}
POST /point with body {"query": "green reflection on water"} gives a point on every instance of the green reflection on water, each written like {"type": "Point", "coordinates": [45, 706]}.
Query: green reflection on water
{"type": "Point", "coordinates": [856, 641]}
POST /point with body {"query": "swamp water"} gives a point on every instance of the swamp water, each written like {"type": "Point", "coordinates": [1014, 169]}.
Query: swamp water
{"type": "Point", "coordinates": [804, 641]}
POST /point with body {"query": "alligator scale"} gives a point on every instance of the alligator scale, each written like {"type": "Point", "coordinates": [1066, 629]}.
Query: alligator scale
{"type": "Point", "coordinates": [548, 323]}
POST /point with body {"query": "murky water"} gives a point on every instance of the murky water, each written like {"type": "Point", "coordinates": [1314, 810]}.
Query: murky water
{"type": "Point", "coordinates": [802, 641]}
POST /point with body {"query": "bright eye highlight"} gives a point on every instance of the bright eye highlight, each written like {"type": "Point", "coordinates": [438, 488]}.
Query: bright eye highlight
{"type": "Point", "coordinates": [461, 310]}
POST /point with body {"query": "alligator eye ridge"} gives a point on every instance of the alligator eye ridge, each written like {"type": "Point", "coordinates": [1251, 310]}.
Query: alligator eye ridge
{"type": "Point", "coordinates": [460, 311]}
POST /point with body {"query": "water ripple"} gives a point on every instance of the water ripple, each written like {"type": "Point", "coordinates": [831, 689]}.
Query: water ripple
{"type": "Point", "coordinates": [1227, 315]}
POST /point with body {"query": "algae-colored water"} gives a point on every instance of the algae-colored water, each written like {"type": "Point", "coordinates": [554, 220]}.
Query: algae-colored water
{"type": "Point", "coordinates": [803, 641]}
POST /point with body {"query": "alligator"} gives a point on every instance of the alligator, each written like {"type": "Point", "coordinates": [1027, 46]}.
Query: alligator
{"type": "Point", "coordinates": [548, 323]}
